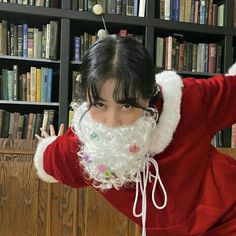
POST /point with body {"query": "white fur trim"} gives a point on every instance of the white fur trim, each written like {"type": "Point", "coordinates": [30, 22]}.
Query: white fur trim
{"type": "Point", "coordinates": [171, 87]}
{"type": "Point", "coordinates": [38, 159]}
{"type": "Point", "coordinates": [232, 70]}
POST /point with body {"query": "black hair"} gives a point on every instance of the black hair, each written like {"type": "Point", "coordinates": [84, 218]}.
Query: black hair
{"type": "Point", "coordinates": [127, 61]}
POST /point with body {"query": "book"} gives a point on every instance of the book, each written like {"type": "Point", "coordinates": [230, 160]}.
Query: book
{"type": "Point", "coordinates": [77, 48]}
{"type": "Point", "coordinates": [1, 121]}
{"type": "Point", "coordinates": [49, 84]}
{"type": "Point", "coordinates": [53, 40]}
{"type": "Point", "coordinates": [43, 84]}
{"type": "Point", "coordinates": [45, 119]}
{"type": "Point", "coordinates": [220, 15]}
{"type": "Point", "coordinates": [38, 85]}
{"type": "Point", "coordinates": [33, 83]}
{"type": "Point", "coordinates": [38, 123]}
{"type": "Point", "coordinates": [130, 8]}
{"type": "Point", "coordinates": [167, 10]}
{"type": "Point", "coordinates": [3, 36]}
{"type": "Point", "coordinates": [15, 82]}
{"type": "Point", "coordinates": [20, 40]}
{"type": "Point", "coordinates": [159, 52]}
{"type": "Point", "coordinates": [175, 10]}
{"type": "Point", "coordinates": [25, 40]}
{"type": "Point", "coordinates": [30, 126]}
{"type": "Point", "coordinates": [15, 124]}
{"type": "Point", "coordinates": [48, 35]}
{"type": "Point", "coordinates": [10, 84]}
{"type": "Point", "coordinates": [11, 125]}
{"type": "Point", "coordinates": [51, 115]}
{"type": "Point", "coordinates": [187, 11]}
{"type": "Point", "coordinates": [30, 41]}
{"type": "Point", "coordinates": [19, 134]}
{"type": "Point", "coordinates": [25, 128]}
{"type": "Point", "coordinates": [75, 94]}
{"type": "Point", "coordinates": [142, 8]}
{"type": "Point", "coordinates": [6, 122]}
{"type": "Point", "coordinates": [202, 12]}
{"type": "Point", "coordinates": [233, 136]}
{"type": "Point", "coordinates": [111, 6]}
{"type": "Point", "coordinates": [168, 52]}
{"type": "Point", "coordinates": [212, 57]}
{"type": "Point", "coordinates": [5, 84]}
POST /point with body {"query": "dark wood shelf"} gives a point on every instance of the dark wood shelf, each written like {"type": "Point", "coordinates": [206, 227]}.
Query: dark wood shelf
{"type": "Point", "coordinates": [51, 104]}
{"type": "Point", "coordinates": [21, 9]}
{"type": "Point", "coordinates": [16, 58]}
{"type": "Point", "coordinates": [72, 22]}
{"type": "Point", "coordinates": [189, 27]}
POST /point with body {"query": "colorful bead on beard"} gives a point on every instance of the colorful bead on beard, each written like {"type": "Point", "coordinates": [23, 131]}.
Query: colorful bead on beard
{"type": "Point", "coordinates": [112, 157]}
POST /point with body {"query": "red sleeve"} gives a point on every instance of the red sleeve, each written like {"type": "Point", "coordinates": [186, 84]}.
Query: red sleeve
{"type": "Point", "coordinates": [218, 96]}
{"type": "Point", "coordinates": [60, 160]}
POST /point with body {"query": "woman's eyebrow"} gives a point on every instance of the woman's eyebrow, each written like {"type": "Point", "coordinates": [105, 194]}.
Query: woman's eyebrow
{"type": "Point", "coordinates": [101, 99]}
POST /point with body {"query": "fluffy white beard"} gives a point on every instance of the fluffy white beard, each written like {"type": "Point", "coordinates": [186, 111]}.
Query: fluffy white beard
{"type": "Point", "coordinates": [112, 157]}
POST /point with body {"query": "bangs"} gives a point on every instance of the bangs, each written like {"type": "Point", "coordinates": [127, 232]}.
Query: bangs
{"type": "Point", "coordinates": [126, 89]}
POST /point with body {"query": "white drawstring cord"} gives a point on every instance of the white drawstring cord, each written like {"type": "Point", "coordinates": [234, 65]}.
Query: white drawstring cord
{"type": "Point", "coordinates": [142, 182]}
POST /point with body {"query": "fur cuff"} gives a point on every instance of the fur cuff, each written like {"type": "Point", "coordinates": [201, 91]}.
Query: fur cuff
{"type": "Point", "coordinates": [232, 70]}
{"type": "Point", "coordinates": [171, 87]}
{"type": "Point", "coordinates": [38, 159]}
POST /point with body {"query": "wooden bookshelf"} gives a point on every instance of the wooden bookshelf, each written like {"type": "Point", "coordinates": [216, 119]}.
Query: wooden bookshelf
{"type": "Point", "coordinates": [150, 27]}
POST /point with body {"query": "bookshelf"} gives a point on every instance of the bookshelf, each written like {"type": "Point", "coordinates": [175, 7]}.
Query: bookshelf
{"type": "Point", "coordinates": [74, 22]}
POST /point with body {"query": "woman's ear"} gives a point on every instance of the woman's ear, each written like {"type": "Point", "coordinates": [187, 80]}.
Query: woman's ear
{"type": "Point", "coordinates": [146, 103]}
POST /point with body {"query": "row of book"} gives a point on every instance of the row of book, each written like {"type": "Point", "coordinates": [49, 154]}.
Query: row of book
{"type": "Point", "coordinates": [83, 41]}
{"type": "Point", "coordinates": [118, 7]}
{"type": "Point", "coordinates": [33, 86]}
{"type": "Point", "coordinates": [188, 56]}
{"type": "Point", "coordinates": [15, 125]}
{"type": "Point", "coordinates": [25, 41]}
{"type": "Point", "coordinates": [194, 11]}
{"type": "Point", "coordinates": [225, 137]}
{"type": "Point", "coordinates": [39, 3]}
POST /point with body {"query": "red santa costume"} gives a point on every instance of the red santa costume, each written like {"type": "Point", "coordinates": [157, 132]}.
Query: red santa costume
{"type": "Point", "coordinates": [200, 182]}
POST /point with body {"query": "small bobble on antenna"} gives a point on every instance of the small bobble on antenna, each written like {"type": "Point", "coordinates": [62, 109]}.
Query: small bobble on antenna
{"type": "Point", "coordinates": [97, 9]}
{"type": "Point", "coordinates": [102, 34]}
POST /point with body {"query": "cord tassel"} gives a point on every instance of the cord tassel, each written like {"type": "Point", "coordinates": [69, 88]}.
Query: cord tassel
{"type": "Point", "coordinates": [142, 184]}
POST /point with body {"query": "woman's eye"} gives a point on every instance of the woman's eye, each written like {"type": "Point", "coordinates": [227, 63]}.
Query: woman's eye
{"type": "Point", "coordinates": [99, 105]}
{"type": "Point", "coordinates": [126, 106]}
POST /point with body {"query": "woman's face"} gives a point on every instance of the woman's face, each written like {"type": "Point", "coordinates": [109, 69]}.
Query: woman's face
{"type": "Point", "coordinates": [107, 111]}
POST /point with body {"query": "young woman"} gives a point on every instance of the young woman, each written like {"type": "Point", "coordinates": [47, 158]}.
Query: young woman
{"type": "Point", "coordinates": [144, 142]}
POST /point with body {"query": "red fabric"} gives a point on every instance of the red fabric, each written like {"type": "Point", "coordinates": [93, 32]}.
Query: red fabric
{"type": "Point", "coordinates": [61, 160]}
{"type": "Point", "coordinates": [200, 182]}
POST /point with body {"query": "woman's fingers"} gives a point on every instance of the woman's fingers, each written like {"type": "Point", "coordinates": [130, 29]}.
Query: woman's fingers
{"type": "Point", "coordinates": [38, 137]}
{"type": "Point", "coordinates": [52, 130]}
{"type": "Point", "coordinates": [61, 130]}
{"type": "Point", "coordinates": [44, 133]}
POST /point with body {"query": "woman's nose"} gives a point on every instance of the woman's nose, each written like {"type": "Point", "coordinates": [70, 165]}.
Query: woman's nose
{"type": "Point", "coordinates": [113, 119]}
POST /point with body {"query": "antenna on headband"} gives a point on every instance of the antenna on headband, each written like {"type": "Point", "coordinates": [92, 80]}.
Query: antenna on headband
{"type": "Point", "coordinates": [97, 10]}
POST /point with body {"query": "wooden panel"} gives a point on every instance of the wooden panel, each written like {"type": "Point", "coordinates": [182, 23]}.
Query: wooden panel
{"type": "Point", "coordinates": [18, 190]}
{"type": "Point", "coordinates": [229, 151]}
{"type": "Point", "coordinates": [29, 206]}
{"type": "Point", "coordinates": [100, 218]}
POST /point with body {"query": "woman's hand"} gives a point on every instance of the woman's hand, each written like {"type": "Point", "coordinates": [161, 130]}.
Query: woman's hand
{"type": "Point", "coordinates": [44, 134]}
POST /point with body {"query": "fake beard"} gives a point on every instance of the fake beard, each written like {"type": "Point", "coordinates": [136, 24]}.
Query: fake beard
{"type": "Point", "coordinates": [112, 157]}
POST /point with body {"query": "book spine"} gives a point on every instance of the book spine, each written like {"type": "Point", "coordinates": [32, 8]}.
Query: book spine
{"type": "Point", "coordinates": [25, 40]}
{"type": "Point", "coordinates": [15, 82]}
{"type": "Point", "coordinates": [49, 84]}
{"type": "Point", "coordinates": [20, 41]}
{"type": "Point", "coordinates": [142, 8]}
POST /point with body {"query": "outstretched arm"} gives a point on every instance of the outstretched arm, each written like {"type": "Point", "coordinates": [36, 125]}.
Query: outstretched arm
{"type": "Point", "coordinates": [56, 158]}
{"type": "Point", "coordinates": [218, 96]}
